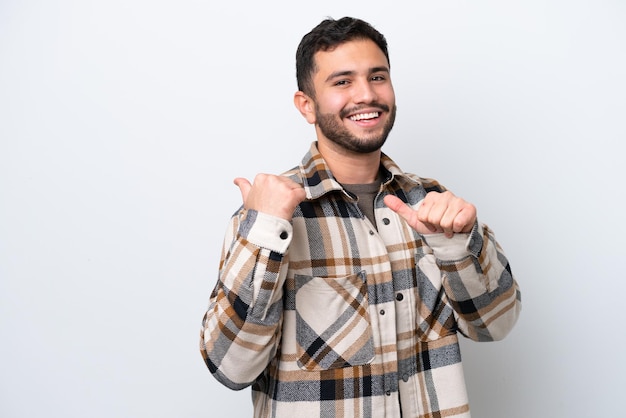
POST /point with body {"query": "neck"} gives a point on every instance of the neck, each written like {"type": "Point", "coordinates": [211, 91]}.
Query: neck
{"type": "Point", "coordinates": [350, 167]}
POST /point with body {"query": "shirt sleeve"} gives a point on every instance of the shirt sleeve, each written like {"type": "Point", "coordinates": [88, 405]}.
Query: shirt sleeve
{"type": "Point", "coordinates": [478, 281]}
{"type": "Point", "coordinates": [241, 328]}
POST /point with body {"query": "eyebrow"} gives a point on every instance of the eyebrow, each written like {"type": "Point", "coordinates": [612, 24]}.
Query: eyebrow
{"type": "Point", "coordinates": [348, 72]}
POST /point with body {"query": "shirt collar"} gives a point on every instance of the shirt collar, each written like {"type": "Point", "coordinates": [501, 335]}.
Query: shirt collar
{"type": "Point", "coordinates": [317, 179]}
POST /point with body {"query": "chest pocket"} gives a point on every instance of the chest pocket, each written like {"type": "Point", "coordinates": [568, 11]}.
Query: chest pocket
{"type": "Point", "coordinates": [332, 322]}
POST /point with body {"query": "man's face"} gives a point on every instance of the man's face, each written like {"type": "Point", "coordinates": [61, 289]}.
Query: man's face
{"type": "Point", "coordinates": [354, 98]}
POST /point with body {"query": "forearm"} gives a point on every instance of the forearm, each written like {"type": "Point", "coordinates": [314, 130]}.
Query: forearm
{"type": "Point", "coordinates": [479, 283]}
{"type": "Point", "coordinates": [240, 328]}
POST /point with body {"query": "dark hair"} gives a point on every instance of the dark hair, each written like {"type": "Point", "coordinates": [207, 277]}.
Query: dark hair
{"type": "Point", "coordinates": [327, 35]}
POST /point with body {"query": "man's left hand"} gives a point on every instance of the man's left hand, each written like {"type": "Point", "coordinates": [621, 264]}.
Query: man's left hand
{"type": "Point", "coordinates": [438, 212]}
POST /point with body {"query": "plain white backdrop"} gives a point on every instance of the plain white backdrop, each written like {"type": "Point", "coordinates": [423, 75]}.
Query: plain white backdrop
{"type": "Point", "coordinates": [123, 123]}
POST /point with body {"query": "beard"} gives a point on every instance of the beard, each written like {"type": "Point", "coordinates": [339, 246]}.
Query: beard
{"type": "Point", "coordinates": [332, 129]}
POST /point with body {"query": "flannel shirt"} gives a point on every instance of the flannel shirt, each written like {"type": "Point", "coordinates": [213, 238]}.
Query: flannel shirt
{"type": "Point", "coordinates": [331, 316]}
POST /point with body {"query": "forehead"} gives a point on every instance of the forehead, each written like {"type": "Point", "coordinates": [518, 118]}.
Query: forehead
{"type": "Point", "coordinates": [357, 55]}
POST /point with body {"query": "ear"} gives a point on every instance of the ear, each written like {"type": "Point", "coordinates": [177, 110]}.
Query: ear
{"type": "Point", "coordinates": [305, 105]}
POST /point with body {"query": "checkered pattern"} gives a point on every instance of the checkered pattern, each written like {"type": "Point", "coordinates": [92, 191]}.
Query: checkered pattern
{"type": "Point", "coordinates": [331, 316]}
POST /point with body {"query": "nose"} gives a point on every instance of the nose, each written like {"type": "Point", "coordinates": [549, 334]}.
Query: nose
{"type": "Point", "coordinates": [364, 92]}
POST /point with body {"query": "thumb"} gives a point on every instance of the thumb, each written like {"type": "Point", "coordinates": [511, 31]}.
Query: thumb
{"type": "Point", "coordinates": [407, 213]}
{"type": "Point", "coordinates": [398, 206]}
{"type": "Point", "coordinates": [244, 187]}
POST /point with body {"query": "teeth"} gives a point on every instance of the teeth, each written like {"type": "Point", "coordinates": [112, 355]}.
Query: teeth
{"type": "Point", "coordinates": [362, 116]}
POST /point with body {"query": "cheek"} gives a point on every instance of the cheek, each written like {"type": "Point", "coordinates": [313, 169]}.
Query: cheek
{"type": "Point", "coordinates": [332, 104]}
{"type": "Point", "coordinates": [387, 95]}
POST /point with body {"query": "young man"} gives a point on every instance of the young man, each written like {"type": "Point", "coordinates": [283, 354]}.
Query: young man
{"type": "Point", "coordinates": [344, 282]}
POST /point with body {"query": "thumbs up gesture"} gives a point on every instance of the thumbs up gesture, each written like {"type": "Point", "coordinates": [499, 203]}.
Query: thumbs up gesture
{"type": "Point", "coordinates": [271, 194]}
{"type": "Point", "coordinates": [438, 212]}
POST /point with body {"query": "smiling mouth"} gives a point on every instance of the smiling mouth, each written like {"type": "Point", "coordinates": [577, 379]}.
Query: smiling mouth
{"type": "Point", "coordinates": [364, 116]}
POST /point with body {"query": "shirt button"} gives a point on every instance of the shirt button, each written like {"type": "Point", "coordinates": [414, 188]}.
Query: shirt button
{"type": "Point", "coordinates": [388, 393]}
{"type": "Point", "coordinates": [284, 235]}
{"type": "Point", "coordinates": [371, 232]}
{"type": "Point", "coordinates": [382, 311]}
{"type": "Point", "coordinates": [399, 297]}
{"type": "Point", "coordinates": [386, 221]}
{"type": "Point", "coordinates": [405, 377]}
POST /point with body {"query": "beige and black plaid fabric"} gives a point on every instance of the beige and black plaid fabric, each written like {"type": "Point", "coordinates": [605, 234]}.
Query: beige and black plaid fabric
{"type": "Point", "coordinates": [332, 316]}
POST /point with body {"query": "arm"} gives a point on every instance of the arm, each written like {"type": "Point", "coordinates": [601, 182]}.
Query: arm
{"type": "Point", "coordinates": [476, 275]}
{"type": "Point", "coordinates": [241, 328]}
{"type": "Point", "coordinates": [478, 281]}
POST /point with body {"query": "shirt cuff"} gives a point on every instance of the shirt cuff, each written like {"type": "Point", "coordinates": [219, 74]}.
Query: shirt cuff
{"type": "Point", "coordinates": [457, 247]}
{"type": "Point", "coordinates": [266, 231]}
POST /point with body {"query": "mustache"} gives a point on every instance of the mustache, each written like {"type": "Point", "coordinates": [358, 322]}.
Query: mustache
{"type": "Point", "coordinates": [344, 113]}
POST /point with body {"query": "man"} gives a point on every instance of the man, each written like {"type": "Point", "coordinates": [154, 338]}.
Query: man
{"type": "Point", "coordinates": [344, 282]}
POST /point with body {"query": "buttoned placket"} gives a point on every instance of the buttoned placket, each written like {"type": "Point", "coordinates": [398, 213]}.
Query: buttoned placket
{"type": "Point", "coordinates": [403, 302]}
{"type": "Point", "coordinates": [387, 330]}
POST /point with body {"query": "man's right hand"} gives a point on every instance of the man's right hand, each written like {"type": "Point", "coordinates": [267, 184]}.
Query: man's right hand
{"type": "Point", "coordinates": [271, 194]}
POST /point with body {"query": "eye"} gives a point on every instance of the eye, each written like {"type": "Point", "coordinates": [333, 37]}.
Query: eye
{"type": "Point", "coordinates": [378, 78]}
{"type": "Point", "coordinates": [342, 83]}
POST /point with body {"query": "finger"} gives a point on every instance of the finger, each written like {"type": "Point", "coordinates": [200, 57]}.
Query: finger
{"type": "Point", "coordinates": [244, 187]}
{"type": "Point", "coordinates": [458, 217]}
{"type": "Point", "coordinates": [449, 220]}
{"type": "Point", "coordinates": [300, 193]}
{"type": "Point", "coordinates": [465, 219]}
{"type": "Point", "coordinates": [409, 214]}
{"type": "Point", "coordinates": [427, 214]}
{"type": "Point", "coordinates": [398, 206]}
{"type": "Point", "coordinates": [291, 184]}
{"type": "Point", "coordinates": [294, 192]}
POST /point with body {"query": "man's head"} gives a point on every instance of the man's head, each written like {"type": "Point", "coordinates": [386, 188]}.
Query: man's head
{"type": "Point", "coordinates": [345, 87]}
{"type": "Point", "coordinates": [327, 35]}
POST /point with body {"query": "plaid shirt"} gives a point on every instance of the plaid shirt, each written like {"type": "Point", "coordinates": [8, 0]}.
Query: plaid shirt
{"type": "Point", "coordinates": [332, 316]}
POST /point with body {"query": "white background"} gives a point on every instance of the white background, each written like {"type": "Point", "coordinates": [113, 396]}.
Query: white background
{"type": "Point", "coordinates": [123, 123]}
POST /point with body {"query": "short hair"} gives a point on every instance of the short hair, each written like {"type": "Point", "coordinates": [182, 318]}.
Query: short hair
{"type": "Point", "coordinates": [327, 35]}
